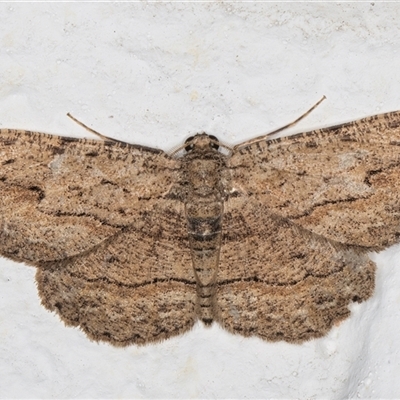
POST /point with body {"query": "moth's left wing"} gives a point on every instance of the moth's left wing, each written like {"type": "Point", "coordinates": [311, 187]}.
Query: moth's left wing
{"type": "Point", "coordinates": [136, 287]}
{"type": "Point", "coordinates": [97, 220]}
{"type": "Point", "coordinates": [342, 183]}
{"type": "Point", "coordinates": [62, 196]}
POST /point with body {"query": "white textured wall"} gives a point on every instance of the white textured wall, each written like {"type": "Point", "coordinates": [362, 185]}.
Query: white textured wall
{"type": "Point", "coordinates": [153, 74]}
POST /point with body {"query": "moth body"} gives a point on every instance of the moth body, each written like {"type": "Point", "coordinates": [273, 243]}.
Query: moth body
{"type": "Point", "coordinates": [204, 208]}
{"type": "Point", "coordinates": [269, 238]}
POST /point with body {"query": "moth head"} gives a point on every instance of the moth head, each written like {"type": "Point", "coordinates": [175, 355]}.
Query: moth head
{"type": "Point", "coordinates": [201, 141]}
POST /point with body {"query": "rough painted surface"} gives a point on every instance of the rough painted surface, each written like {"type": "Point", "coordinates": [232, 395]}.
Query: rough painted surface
{"type": "Point", "coordinates": [268, 239]}
{"type": "Point", "coordinates": [155, 75]}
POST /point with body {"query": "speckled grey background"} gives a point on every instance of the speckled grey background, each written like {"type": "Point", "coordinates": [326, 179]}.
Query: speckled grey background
{"type": "Point", "coordinates": [154, 74]}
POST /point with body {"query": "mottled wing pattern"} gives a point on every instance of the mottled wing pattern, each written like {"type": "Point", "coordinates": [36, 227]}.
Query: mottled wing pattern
{"type": "Point", "coordinates": [307, 210]}
{"type": "Point", "coordinates": [341, 182]}
{"type": "Point", "coordinates": [95, 217]}
{"type": "Point", "coordinates": [102, 222]}
{"type": "Point", "coordinates": [135, 287]}
{"type": "Point", "coordinates": [280, 282]}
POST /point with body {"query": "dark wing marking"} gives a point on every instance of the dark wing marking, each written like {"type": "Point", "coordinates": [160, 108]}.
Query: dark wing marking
{"type": "Point", "coordinates": [136, 287]}
{"type": "Point", "coordinates": [95, 218]}
{"type": "Point", "coordinates": [62, 196]}
{"type": "Point", "coordinates": [341, 182]}
{"type": "Point", "coordinates": [280, 282]}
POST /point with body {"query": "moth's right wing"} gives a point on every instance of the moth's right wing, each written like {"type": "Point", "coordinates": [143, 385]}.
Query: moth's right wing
{"type": "Point", "coordinates": [340, 182]}
{"type": "Point", "coordinates": [278, 281]}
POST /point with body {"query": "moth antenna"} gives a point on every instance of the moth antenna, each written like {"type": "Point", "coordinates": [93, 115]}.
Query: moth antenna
{"type": "Point", "coordinates": [177, 149]}
{"type": "Point", "coordinates": [263, 137]}
{"type": "Point", "coordinates": [91, 130]}
{"type": "Point", "coordinates": [222, 145]}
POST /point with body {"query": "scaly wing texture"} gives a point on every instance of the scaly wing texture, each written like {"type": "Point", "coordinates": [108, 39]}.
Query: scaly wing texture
{"type": "Point", "coordinates": [94, 217]}
{"type": "Point", "coordinates": [61, 196]}
{"type": "Point", "coordinates": [341, 182]}
{"type": "Point", "coordinates": [136, 287]}
{"type": "Point", "coordinates": [280, 282]}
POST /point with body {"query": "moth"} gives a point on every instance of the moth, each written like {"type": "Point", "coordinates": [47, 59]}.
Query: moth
{"type": "Point", "coordinates": [268, 238]}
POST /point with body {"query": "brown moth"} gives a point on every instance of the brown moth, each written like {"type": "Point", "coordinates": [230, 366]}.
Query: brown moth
{"type": "Point", "coordinates": [268, 238]}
